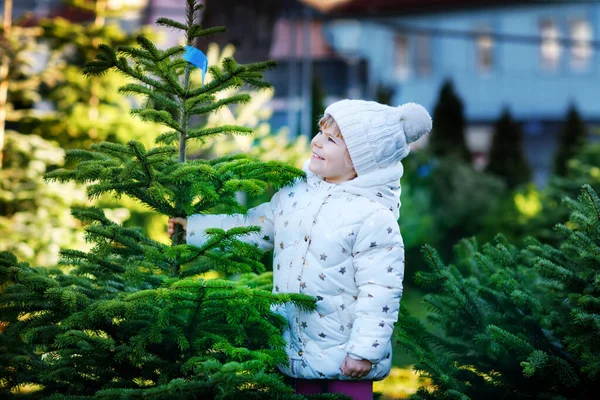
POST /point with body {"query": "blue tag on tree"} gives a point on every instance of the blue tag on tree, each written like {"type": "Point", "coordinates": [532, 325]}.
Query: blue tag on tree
{"type": "Point", "coordinates": [197, 58]}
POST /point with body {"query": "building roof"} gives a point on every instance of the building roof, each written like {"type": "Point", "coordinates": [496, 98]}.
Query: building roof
{"type": "Point", "coordinates": [383, 7]}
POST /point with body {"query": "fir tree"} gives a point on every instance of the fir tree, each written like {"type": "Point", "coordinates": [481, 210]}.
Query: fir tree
{"type": "Point", "coordinates": [461, 200]}
{"type": "Point", "coordinates": [514, 323]}
{"type": "Point", "coordinates": [35, 219]}
{"type": "Point", "coordinates": [18, 81]}
{"type": "Point", "coordinates": [447, 137]}
{"type": "Point", "coordinates": [572, 137]}
{"type": "Point", "coordinates": [133, 318]}
{"type": "Point", "coordinates": [85, 110]}
{"type": "Point", "coordinates": [384, 94]}
{"type": "Point", "coordinates": [506, 158]}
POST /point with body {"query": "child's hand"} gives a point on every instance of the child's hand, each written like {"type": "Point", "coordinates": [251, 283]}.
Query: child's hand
{"type": "Point", "coordinates": [173, 222]}
{"type": "Point", "coordinates": [355, 368]}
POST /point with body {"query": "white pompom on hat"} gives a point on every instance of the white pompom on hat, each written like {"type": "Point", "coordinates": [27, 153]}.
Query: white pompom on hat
{"type": "Point", "coordinates": [378, 135]}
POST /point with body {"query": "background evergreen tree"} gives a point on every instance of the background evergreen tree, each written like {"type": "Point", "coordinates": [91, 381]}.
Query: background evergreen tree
{"type": "Point", "coordinates": [35, 219]}
{"type": "Point", "coordinates": [514, 323]}
{"type": "Point", "coordinates": [461, 201]}
{"type": "Point", "coordinates": [572, 137]}
{"type": "Point", "coordinates": [447, 137]}
{"type": "Point", "coordinates": [506, 158]}
{"type": "Point", "coordinates": [85, 110]}
{"type": "Point", "coordinates": [384, 94]}
{"type": "Point", "coordinates": [18, 81]}
{"type": "Point", "coordinates": [132, 318]}
{"type": "Point", "coordinates": [545, 205]}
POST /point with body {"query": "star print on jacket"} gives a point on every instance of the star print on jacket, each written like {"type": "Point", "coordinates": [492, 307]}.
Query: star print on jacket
{"type": "Point", "coordinates": [341, 271]}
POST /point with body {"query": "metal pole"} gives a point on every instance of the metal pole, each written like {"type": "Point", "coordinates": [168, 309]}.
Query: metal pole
{"type": "Point", "coordinates": [292, 78]}
{"type": "Point", "coordinates": [354, 84]}
{"type": "Point", "coordinates": [307, 73]}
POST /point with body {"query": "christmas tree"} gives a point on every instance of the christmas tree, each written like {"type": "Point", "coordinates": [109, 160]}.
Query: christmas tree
{"type": "Point", "coordinates": [513, 323]}
{"type": "Point", "coordinates": [447, 137]}
{"type": "Point", "coordinates": [133, 317]}
{"type": "Point", "coordinates": [507, 159]}
{"type": "Point", "coordinates": [571, 139]}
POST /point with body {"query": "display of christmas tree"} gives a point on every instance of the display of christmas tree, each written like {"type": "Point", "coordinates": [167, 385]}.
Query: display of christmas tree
{"type": "Point", "coordinates": [447, 138]}
{"type": "Point", "coordinates": [133, 317]}
{"type": "Point", "coordinates": [507, 158]}
{"type": "Point", "coordinates": [513, 323]}
{"type": "Point", "coordinates": [571, 139]}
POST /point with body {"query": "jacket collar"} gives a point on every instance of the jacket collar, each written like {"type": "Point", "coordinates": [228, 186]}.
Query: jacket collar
{"type": "Point", "coordinates": [381, 185]}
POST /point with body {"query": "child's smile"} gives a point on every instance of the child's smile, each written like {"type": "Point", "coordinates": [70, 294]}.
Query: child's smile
{"type": "Point", "coordinates": [315, 155]}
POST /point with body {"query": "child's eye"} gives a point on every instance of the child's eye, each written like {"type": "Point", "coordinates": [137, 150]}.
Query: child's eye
{"type": "Point", "coordinates": [331, 140]}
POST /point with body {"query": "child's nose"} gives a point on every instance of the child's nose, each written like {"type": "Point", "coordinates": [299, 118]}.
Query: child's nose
{"type": "Point", "coordinates": [315, 141]}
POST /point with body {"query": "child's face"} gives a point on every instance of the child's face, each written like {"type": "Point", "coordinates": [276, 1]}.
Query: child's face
{"type": "Point", "coordinates": [330, 158]}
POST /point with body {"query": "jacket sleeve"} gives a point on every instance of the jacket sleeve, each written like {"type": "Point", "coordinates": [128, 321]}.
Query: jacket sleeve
{"type": "Point", "coordinates": [262, 216]}
{"type": "Point", "coordinates": [378, 257]}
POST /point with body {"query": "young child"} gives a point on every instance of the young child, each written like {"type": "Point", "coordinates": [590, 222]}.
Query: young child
{"type": "Point", "coordinates": [336, 237]}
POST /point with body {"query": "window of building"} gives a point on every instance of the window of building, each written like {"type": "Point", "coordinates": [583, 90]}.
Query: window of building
{"type": "Point", "coordinates": [581, 43]}
{"type": "Point", "coordinates": [551, 48]}
{"type": "Point", "coordinates": [423, 54]}
{"type": "Point", "coordinates": [402, 56]}
{"type": "Point", "coordinates": [484, 50]}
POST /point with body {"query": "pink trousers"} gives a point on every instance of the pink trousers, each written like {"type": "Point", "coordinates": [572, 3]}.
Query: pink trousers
{"type": "Point", "coordinates": [358, 390]}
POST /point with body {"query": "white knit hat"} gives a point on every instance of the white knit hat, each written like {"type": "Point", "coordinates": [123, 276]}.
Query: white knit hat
{"type": "Point", "coordinates": [378, 135]}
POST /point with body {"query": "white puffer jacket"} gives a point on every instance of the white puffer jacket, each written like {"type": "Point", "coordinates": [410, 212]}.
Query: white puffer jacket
{"type": "Point", "coordinates": [341, 244]}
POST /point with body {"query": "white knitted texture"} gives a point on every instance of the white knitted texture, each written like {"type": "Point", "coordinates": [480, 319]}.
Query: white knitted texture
{"type": "Point", "coordinates": [375, 133]}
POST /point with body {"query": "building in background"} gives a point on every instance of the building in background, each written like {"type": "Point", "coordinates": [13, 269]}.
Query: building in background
{"type": "Point", "coordinates": [536, 58]}
{"type": "Point", "coordinates": [307, 62]}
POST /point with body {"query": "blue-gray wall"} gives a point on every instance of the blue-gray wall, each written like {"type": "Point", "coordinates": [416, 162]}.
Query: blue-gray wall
{"type": "Point", "coordinates": [517, 79]}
